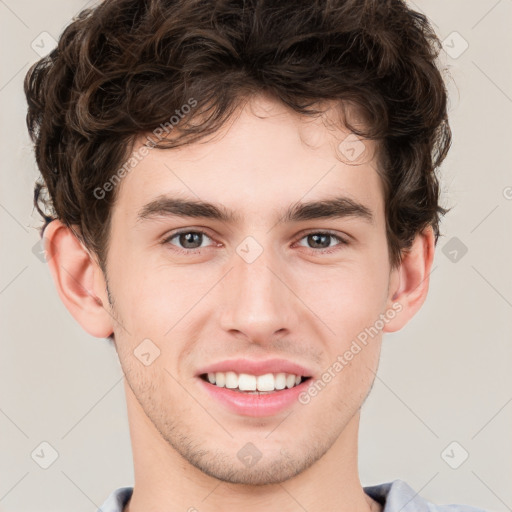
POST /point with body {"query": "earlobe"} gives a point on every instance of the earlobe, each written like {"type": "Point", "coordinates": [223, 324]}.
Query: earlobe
{"type": "Point", "coordinates": [411, 280]}
{"type": "Point", "coordinates": [75, 274]}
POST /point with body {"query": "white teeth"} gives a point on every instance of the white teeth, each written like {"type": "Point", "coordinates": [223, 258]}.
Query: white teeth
{"type": "Point", "coordinates": [280, 380]}
{"type": "Point", "coordinates": [231, 380]}
{"type": "Point", "coordinates": [290, 380]}
{"type": "Point", "coordinates": [220, 379]}
{"type": "Point", "coordinates": [246, 382]}
{"type": "Point", "coordinates": [265, 382]}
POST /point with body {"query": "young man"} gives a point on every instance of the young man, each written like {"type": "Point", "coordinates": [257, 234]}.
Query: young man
{"type": "Point", "coordinates": [242, 197]}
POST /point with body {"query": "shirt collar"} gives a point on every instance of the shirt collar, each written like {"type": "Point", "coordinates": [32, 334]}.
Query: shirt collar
{"type": "Point", "coordinates": [395, 496]}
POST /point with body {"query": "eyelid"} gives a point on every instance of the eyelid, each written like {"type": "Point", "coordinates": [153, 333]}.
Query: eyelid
{"type": "Point", "coordinates": [335, 234]}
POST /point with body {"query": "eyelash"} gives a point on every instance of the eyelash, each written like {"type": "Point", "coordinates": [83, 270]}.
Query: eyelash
{"type": "Point", "coordinates": [341, 241]}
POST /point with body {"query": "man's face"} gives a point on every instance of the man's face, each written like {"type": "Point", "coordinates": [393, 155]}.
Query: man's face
{"type": "Point", "coordinates": [257, 287]}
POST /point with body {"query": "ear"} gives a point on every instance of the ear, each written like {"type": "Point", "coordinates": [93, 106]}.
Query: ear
{"type": "Point", "coordinates": [79, 279]}
{"type": "Point", "coordinates": [409, 282]}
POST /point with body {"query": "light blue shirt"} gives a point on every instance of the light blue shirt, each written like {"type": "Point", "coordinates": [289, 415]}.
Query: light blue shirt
{"type": "Point", "coordinates": [396, 496]}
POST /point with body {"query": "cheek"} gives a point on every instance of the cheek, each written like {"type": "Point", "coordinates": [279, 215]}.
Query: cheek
{"type": "Point", "coordinates": [152, 299]}
{"type": "Point", "coordinates": [348, 298]}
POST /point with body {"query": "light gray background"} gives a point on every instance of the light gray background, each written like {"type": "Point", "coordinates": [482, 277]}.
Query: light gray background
{"type": "Point", "coordinates": [445, 377]}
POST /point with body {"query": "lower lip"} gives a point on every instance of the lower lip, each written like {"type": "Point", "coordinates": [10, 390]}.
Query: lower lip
{"type": "Point", "coordinates": [255, 405]}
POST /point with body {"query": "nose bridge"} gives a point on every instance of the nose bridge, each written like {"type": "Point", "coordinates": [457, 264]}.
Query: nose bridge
{"type": "Point", "coordinates": [260, 304]}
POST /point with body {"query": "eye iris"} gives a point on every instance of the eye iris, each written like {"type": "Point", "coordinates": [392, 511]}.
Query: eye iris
{"type": "Point", "coordinates": [186, 238]}
{"type": "Point", "coordinates": [316, 237]}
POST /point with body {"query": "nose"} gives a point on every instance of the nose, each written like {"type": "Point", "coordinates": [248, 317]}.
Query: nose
{"type": "Point", "coordinates": [258, 301]}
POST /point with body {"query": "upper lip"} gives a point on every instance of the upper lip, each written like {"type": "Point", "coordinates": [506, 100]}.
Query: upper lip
{"type": "Point", "coordinates": [253, 367]}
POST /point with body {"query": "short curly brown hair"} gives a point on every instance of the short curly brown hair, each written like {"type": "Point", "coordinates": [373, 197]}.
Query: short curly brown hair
{"type": "Point", "coordinates": [121, 68]}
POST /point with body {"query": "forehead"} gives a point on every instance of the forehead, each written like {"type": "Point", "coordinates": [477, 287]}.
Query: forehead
{"type": "Point", "coordinates": [263, 159]}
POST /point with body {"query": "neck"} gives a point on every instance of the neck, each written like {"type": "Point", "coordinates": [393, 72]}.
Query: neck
{"type": "Point", "coordinates": [164, 480]}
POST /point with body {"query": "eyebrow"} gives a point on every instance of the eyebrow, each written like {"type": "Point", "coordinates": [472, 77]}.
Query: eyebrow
{"type": "Point", "coordinates": [337, 207]}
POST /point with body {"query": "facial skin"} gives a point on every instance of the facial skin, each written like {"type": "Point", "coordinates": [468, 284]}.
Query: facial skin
{"type": "Point", "coordinates": [294, 301]}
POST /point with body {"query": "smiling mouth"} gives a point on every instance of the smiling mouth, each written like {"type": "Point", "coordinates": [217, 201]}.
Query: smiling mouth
{"type": "Point", "coordinates": [233, 386]}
